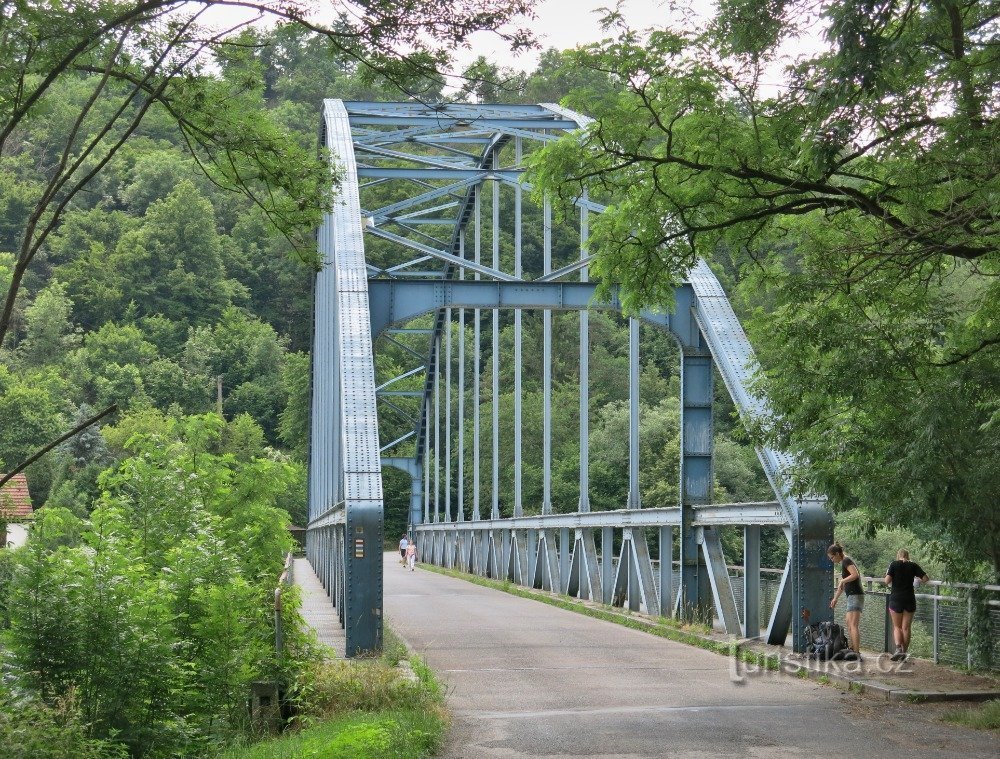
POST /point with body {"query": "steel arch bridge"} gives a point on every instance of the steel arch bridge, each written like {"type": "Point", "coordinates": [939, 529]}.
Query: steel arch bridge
{"type": "Point", "coordinates": [414, 181]}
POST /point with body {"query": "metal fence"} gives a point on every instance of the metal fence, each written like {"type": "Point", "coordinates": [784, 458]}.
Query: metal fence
{"type": "Point", "coordinates": [944, 626]}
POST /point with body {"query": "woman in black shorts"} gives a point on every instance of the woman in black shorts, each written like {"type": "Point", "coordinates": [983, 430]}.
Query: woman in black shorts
{"type": "Point", "coordinates": [902, 600]}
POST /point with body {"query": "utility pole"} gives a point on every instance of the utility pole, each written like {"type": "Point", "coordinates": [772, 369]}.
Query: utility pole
{"type": "Point", "coordinates": [218, 394]}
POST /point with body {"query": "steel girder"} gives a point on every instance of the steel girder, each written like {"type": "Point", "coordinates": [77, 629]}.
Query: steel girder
{"type": "Point", "coordinates": [345, 476]}
{"type": "Point", "coordinates": [427, 148]}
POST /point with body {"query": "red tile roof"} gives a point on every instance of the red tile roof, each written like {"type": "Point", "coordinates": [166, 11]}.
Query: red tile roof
{"type": "Point", "coordinates": [14, 499]}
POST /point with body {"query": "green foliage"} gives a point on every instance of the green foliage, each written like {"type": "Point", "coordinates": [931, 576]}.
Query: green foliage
{"type": "Point", "coordinates": [31, 411]}
{"type": "Point", "coordinates": [157, 611]}
{"type": "Point", "coordinates": [49, 331]}
{"type": "Point", "coordinates": [6, 576]}
{"type": "Point", "coordinates": [33, 730]}
{"type": "Point", "coordinates": [172, 262]}
{"type": "Point", "coordinates": [293, 427]}
{"type": "Point", "coordinates": [385, 735]}
{"type": "Point", "coordinates": [853, 214]}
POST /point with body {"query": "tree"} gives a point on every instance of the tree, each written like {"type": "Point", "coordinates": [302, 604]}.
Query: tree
{"type": "Point", "coordinates": [172, 263]}
{"type": "Point", "coordinates": [49, 327]}
{"type": "Point", "coordinates": [852, 208]}
{"type": "Point", "coordinates": [883, 142]}
{"type": "Point", "coordinates": [486, 82]}
{"type": "Point", "coordinates": [158, 611]}
{"type": "Point", "coordinates": [139, 59]}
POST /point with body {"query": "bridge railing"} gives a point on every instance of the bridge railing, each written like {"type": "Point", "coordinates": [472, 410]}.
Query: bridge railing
{"type": "Point", "coordinates": [956, 624]}
{"type": "Point", "coordinates": [285, 580]}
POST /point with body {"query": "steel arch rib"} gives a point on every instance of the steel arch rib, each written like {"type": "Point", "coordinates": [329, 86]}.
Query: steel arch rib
{"type": "Point", "coordinates": [345, 460]}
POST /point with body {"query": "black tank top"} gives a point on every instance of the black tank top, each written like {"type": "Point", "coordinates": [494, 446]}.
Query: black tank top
{"type": "Point", "coordinates": [852, 588]}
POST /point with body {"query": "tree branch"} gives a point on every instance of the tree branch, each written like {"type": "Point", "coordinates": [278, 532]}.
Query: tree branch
{"type": "Point", "coordinates": [41, 452]}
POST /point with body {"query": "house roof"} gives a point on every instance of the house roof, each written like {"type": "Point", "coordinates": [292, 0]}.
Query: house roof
{"type": "Point", "coordinates": [14, 498]}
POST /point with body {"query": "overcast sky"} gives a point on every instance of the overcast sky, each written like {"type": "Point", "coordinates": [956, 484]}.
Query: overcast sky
{"type": "Point", "coordinates": [567, 23]}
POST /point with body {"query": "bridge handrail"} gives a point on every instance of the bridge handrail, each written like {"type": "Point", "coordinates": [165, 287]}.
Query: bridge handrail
{"type": "Point", "coordinates": [285, 579]}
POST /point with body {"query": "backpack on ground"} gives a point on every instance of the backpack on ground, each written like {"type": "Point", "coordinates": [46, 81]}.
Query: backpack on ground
{"type": "Point", "coordinates": [825, 641]}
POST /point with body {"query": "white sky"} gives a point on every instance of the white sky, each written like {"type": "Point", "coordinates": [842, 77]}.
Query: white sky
{"type": "Point", "coordinates": [561, 24]}
{"type": "Point", "coordinates": [566, 24]}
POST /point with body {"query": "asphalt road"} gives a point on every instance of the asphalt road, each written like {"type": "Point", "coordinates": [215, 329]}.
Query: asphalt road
{"type": "Point", "coordinates": [525, 679]}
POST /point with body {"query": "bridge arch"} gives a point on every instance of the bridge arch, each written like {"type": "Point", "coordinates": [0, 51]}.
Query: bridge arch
{"type": "Point", "coordinates": [425, 168]}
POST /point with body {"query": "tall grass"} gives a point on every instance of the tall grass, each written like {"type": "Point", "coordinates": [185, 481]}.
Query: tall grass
{"type": "Point", "coordinates": [361, 709]}
{"type": "Point", "coordinates": [983, 717]}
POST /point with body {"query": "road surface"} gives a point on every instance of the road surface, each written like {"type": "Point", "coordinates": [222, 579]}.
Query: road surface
{"type": "Point", "coordinates": [525, 679]}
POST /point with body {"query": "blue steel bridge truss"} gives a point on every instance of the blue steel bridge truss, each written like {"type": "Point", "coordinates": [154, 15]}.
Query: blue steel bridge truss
{"type": "Point", "coordinates": [413, 179]}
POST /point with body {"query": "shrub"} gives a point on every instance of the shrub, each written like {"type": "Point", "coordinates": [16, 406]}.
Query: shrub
{"type": "Point", "coordinates": [31, 730]}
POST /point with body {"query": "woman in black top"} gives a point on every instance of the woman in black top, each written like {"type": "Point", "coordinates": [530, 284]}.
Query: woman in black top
{"type": "Point", "coordinates": [902, 602]}
{"type": "Point", "coordinates": [850, 586]}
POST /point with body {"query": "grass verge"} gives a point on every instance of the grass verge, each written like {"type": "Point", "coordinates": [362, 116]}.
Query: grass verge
{"type": "Point", "coordinates": [362, 709]}
{"type": "Point", "coordinates": [690, 634]}
{"type": "Point", "coordinates": [359, 735]}
{"type": "Point", "coordinates": [983, 717]}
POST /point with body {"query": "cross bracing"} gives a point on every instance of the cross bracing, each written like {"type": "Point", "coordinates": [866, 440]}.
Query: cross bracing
{"type": "Point", "coordinates": [422, 255]}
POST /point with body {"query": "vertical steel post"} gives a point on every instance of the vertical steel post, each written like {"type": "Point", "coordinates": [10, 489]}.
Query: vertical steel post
{"type": "Point", "coordinates": [547, 364]}
{"type": "Point", "coordinates": [476, 359]}
{"type": "Point", "coordinates": [565, 554]}
{"type": "Point", "coordinates": [584, 372]}
{"type": "Point", "coordinates": [968, 626]}
{"type": "Point", "coordinates": [495, 502]}
{"type": "Point", "coordinates": [437, 428]}
{"type": "Point", "coordinates": [447, 415]}
{"type": "Point", "coordinates": [751, 581]}
{"type": "Point", "coordinates": [415, 501]}
{"type": "Point", "coordinates": [936, 625]}
{"type": "Point", "coordinates": [633, 414]}
{"type": "Point", "coordinates": [517, 339]}
{"type": "Point", "coordinates": [666, 571]}
{"type": "Point", "coordinates": [607, 563]}
{"type": "Point", "coordinates": [460, 506]}
{"type": "Point", "coordinates": [696, 479]}
{"type": "Point", "coordinates": [427, 463]}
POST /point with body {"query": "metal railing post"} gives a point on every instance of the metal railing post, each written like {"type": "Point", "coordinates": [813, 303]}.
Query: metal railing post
{"type": "Point", "coordinates": [935, 624]}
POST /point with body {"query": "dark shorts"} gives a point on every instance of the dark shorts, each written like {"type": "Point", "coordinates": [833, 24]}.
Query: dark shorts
{"type": "Point", "coordinates": [402, 552]}
{"type": "Point", "coordinates": [898, 606]}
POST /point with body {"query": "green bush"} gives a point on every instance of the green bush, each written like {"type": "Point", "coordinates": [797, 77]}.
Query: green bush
{"type": "Point", "coordinates": [158, 611]}
{"type": "Point", "coordinates": [32, 730]}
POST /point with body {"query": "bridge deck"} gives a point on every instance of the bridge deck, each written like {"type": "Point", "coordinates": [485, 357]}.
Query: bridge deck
{"type": "Point", "coordinates": [528, 679]}
{"type": "Point", "coordinates": [317, 610]}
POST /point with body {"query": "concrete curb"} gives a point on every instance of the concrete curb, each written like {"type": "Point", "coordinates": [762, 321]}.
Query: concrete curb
{"type": "Point", "coordinates": [861, 685]}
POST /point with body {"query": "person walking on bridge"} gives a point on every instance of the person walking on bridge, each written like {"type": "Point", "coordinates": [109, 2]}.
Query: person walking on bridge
{"type": "Point", "coordinates": [403, 543]}
{"type": "Point", "coordinates": [849, 585]}
{"type": "Point", "coordinates": [902, 575]}
{"type": "Point", "coordinates": [411, 555]}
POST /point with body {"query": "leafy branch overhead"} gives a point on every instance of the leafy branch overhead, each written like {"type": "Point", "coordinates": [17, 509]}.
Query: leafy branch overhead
{"type": "Point", "coordinates": [194, 61]}
{"type": "Point", "coordinates": [838, 163]}
{"type": "Point", "coordinates": [877, 153]}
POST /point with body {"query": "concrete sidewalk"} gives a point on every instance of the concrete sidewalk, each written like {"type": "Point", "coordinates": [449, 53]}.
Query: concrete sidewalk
{"type": "Point", "coordinates": [528, 679]}
{"type": "Point", "coordinates": [317, 609]}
